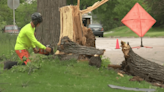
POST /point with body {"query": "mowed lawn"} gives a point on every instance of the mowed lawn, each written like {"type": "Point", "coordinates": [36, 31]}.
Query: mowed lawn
{"type": "Point", "coordinates": [124, 31]}
{"type": "Point", "coordinates": [54, 75]}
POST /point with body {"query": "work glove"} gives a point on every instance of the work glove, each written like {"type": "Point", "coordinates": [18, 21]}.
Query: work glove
{"type": "Point", "coordinates": [48, 49]}
{"type": "Point", "coordinates": [35, 50]}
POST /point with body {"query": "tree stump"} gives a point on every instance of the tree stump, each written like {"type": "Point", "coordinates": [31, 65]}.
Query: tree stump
{"type": "Point", "coordinates": [135, 65]}
{"type": "Point", "coordinates": [95, 61]}
{"type": "Point", "coordinates": [71, 24]}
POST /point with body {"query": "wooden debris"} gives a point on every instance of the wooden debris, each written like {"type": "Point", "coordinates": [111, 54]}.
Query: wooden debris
{"type": "Point", "coordinates": [120, 74]}
{"type": "Point", "coordinates": [114, 66]}
{"type": "Point", "coordinates": [136, 78]}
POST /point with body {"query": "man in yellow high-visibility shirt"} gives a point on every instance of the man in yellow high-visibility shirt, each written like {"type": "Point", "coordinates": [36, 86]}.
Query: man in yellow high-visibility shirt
{"type": "Point", "coordinates": [26, 39]}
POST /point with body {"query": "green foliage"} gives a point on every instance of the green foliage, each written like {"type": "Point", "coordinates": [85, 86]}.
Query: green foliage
{"type": "Point", "coordinates": [124, 6]}
{"type": "Point", "coordinates": [5, 12]}
{"type": "Point", "coordinates": [106, 15]}
{"type": "Point", "coordinates": [31, 67]}
{"type": "Point", "coordinates": [156, 11]}
{"type": "Point", "coordinates": [105, 62]}
{"type": "Point", "coordinates": [23, 13]}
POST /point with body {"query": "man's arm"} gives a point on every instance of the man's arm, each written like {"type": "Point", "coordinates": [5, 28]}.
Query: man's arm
{"type": "Point", "coordinates": [34, 41]}
{"type": "Point", "coordinates": [32, 45]}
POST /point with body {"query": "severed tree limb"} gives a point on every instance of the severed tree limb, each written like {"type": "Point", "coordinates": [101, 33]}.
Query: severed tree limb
{"type": "Point", "coordinates": [94, 6]}
{"type": "Point", "coordinates": [67, 46]}
{"type": "Point", "coordinates": [136, 65]}
{"type": "Point", "coordinates": [78, 3]}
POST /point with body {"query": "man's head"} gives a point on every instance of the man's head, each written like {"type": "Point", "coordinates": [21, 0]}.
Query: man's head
{"type": "Point", "coordinates": [36, 18]}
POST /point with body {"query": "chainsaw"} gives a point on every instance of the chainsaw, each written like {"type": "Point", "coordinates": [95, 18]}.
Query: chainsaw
{"type": "Point", "coordinates": [44, 52]}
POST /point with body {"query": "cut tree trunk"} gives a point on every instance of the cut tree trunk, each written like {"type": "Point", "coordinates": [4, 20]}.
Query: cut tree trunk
{"type": "Point", "coordinates": [135, 65]}
{"type": "Point", "coordinates": [71, 24]}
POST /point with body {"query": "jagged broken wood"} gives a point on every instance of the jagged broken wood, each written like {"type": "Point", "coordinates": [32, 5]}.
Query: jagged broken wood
{"type": "Point", "coordinates": [136, 65]}
{"type": "Point", "coordinates": [94, 6]}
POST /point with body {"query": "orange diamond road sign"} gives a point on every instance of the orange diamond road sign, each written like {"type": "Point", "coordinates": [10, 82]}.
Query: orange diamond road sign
{"type": "Point", "coordinates": [138, 20]}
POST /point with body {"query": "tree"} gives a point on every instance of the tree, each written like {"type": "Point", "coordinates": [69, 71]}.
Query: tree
{"type": "Point", "coordinates": [23, 13]}
{"type": "Point", "coordinates": [105, 14]}
{"type": "Point", "coordinates": [124, 6]}
{"type": "Point", "coordinates": [5, 12]}
{"type": "Point", "coordinates": [49, 31]}
{"type": "Point", "coordinates": [156, 11]}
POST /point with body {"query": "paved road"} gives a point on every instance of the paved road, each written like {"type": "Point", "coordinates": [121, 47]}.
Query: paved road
{"type": "Point", "coordinates": [155, 54]}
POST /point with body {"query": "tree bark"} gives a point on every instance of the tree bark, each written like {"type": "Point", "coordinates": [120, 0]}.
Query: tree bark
{"type": "Point", "coordinates": [49, 30]}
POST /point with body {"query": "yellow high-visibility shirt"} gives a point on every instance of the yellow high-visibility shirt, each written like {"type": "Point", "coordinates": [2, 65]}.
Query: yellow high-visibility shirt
{"type": "Point", "coordinates": [26, 39]}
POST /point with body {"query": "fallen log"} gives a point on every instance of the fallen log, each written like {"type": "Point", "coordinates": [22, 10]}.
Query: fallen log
{"type": "Point", "coordinates": [136, 65]}
{"type": "Point", "coordinates": [67, 46]}
{"type": "Point", "coordinates": [68, 50]}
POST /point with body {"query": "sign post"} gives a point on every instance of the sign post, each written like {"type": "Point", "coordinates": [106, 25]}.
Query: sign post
{"type": "Point", "coordinates": [13, 4]}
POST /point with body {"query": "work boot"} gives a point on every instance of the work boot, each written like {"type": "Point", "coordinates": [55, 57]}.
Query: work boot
{"type": "Point", "coordinates": [9, 64]}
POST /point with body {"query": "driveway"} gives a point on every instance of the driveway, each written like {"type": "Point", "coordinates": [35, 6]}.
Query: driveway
{"type": "Point", "coordinates": [155, 54]}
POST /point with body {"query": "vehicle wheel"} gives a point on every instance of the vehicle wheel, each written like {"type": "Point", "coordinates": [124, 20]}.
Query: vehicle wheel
{"type": "Point", "coordinates": [102, 35]}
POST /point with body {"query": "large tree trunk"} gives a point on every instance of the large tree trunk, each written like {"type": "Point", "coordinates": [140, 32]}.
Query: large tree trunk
{"type": "Point", "coordinates": [137, 66]}
{"type": "Point", "coordinates": [49, 31]}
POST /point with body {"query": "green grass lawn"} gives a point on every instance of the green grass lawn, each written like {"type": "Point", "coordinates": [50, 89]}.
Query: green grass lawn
{"type": "Point", "coordinates": [124, 31]}
{"type": "Point", "coordinates": [54, 75]}
{"type": "Point", "coordinates": [66, 76]}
